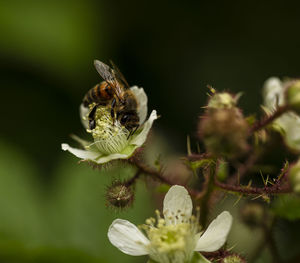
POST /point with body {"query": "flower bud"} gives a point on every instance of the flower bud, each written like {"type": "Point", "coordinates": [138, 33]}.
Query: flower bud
{"type": "Point", "coordinates": [223, 100]}
{"type": "Point", "coordinates": [294, 176]}
{"type": "Point", "coordinates": [292, 95]}
{"type": "Point", "coordinates": [119, 195]}
{"type": "Point", "coordinates": [224, 132]}
{"type": "Point", "coordinates": [233, 259]}
{"type": "Point", "coordinates": [253, 214]}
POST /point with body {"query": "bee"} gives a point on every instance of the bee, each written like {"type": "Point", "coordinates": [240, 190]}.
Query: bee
{"type": "Point", "coordinates": [113, 91]}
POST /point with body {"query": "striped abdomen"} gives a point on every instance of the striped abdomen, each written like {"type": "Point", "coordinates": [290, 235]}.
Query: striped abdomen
{"type": "Point", "coordinates": [101, 93]}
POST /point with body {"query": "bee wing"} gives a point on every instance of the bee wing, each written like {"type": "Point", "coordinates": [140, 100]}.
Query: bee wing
{"type": "Point", "coordinates": [110, 76]}
{"type": "Point", "coordinates": [118, 74]}
{"type": "Point", "coordinates": [104, 70]}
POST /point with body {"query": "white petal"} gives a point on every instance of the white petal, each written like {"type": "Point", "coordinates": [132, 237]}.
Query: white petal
{"type": "Point", "coordinates": [290, 122]}
{"type": "Point", "coordinates": [93, 156]}
{"type": "Point", "coordinates": [142, 136]}
{"type": "Point", "coordinates": [273, 93]}
{"type": "Point", "coordinates": [82, 154]}
{"type": "Point", "coordinates": [178, 205]}
{"type": "Point", "coordinates": [216, 234]}
{"type": "Point", "coordinates": [142, 102]}
{"type": "Point", "coordinates": [83, 112]}
{"type": "Point", "coordinates": [128, 238]}
{"type": "Point", "coordinates": [107, 158]}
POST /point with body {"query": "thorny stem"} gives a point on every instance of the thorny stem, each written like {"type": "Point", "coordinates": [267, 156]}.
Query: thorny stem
{"type": "Point", "coordinates": [216, 255]}
{"type": "Point", "coordinates": [134, 178]}
{"type": "Point", "coordinates": [264, 122]}
{"type": "Point", "coordinates": [205, 198]}
{"type": "Point", "coordinates": [271, 242]}
{"type": "Point", "coordinates": [158, 175]}
{"type": "Point", "coordinates": [243, 168]}
{"type": "Point", "coordinates": [277, 188]}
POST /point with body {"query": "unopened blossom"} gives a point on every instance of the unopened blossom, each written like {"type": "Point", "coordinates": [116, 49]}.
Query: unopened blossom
{"type": "Point", "coordinates": [173, 238]}
{"type": "Point", "coordinates": [289, 123]}
{"type": "Point", "coordinates": [111, 140]}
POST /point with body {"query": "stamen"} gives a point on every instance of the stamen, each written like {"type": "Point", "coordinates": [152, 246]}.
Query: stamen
{"type": "Point", "coordinates": [109, 135]}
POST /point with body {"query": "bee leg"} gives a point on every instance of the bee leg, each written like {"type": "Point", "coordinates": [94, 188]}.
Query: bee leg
{"type": "Point", "coordinates": [135, 129]}
{"type": "Point", "coordinates": [132, 131]}
{"type": "Point", "coordinates": [92, 124]}
{"type": "Point", "coordinates": [112, 111]}
{"type": "Point", "coordinates": [91, 117]}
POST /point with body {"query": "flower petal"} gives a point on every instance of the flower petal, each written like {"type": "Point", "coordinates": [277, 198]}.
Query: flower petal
{"type": "Point", "coordinates": [178, 205]}
{"type": "Point", "coordinates": [82, 154]}
{"type": "Point", "coordinates": [140, 138]}
{"type": "Point", "coordinates": [215, 235]}
{"type": "Point", "coordinates": [290, 123]}
{"type": "Point", "coordinates": [94, 156]}
{"type": "Point", "coordinates": [128, 238]}
{"type": "Point", "coordinates": [273, 93]}
{"type": "Point", "coordinates": [107, 158]}
{"type": "Point", "coordinates": [142, 102]}
{"type": "Point", "coordinates": [83, 112]}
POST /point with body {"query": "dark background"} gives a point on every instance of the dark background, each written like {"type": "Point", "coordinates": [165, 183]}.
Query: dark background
{"type": "Point", "coordinates": [172, 49]}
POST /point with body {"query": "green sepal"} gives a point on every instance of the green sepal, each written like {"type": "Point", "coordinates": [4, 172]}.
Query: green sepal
{"type": "Point", "coordinates": [198, 258]}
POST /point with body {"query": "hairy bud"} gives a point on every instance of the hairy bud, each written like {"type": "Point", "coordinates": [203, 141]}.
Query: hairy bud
{"type": "Point", "coordinates": [224, 132]}
{"type": "Point", "coordinates": [233, 259]}
{"type": "Point", "coordinates": [292, 95]}
{"type": "Point", "coordinates": [294, 176]}
{"type": "Point", "coordinates": [119, 195]}
{"type": "Point", "coordinates": [223, 100]}
{"type": "Point", "coordinates": [253, 214]}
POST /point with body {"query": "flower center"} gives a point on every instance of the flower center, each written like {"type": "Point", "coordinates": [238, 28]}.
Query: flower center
{"type": "Point", "coordinates": [171, 242]}
{"type": "Point", "coordinates": [109, 135]}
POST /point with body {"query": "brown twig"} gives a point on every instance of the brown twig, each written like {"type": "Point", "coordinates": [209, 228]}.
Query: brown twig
{"type": "Point", "coordinates": [158, 176]}
{"type": "Point", "coordinates": [265, 121]}
{"type": "Point", "coordinates": [134, 178]}
{"type": "Point", "coordinates": [277, 188]}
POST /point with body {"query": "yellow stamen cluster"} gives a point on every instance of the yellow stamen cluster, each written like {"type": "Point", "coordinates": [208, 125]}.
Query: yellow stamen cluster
{"type": "Point", "coordinates": [171, 242]}
{"type": "Point", "coordinates": [109, 135]}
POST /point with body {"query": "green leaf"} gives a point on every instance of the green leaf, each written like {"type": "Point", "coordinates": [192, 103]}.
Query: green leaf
{"type": "Point", "coordinates": [195, 165]}
{"type": "Point", "coordinates": [222, 170]}
{"type": "Point", "coordinates": [198, 258]}
{"type": "Point", "coordinates": [287, 206]}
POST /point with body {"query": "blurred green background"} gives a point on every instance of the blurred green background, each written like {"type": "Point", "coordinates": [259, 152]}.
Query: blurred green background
{"type": "Point", "coordinates": [51, 209]}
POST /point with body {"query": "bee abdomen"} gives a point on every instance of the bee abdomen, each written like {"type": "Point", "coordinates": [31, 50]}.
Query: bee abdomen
{"type": "Point", "coordinates": [101, 93]}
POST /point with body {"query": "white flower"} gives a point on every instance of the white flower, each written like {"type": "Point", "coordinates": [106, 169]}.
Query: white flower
{"type": "Point", "coordinates": [289, 123]}
{"type": "Point", "coordinates": [111, 139]}
{"type": "Point", "coordinates": [175, 237]}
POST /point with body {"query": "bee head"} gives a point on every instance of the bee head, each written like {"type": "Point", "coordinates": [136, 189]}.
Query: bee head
{"type": "Point", "coordinates": [130, 120]}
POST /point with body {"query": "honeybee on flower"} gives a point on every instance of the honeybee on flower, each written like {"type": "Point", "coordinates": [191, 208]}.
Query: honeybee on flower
{"type": "Point", "coordinates": [116, 119]}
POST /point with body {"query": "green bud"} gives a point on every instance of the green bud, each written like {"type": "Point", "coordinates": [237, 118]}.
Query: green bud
{"type": "Point", "coordinates": [293, 96]}
{"type": "Point", "coordinates": [233, 259]}
{"type": "Point", "coordinates": [223, 100]}
{"type": "Point", "coordinates": [224, 132]}
{"type": "Point", "coordinates": [119, 195]}
{"type": "Point", "coordinates": [294, 176]}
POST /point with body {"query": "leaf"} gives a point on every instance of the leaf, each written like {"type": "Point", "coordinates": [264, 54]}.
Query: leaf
{"type": "Point", "coordinates": [198, 258]}
{"type": "Point", "coordinates": [222, 171]}
{"type": "Point", "coordinates": [287, 206]}
{"type": "Point", "coordinates": [195, 165]}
